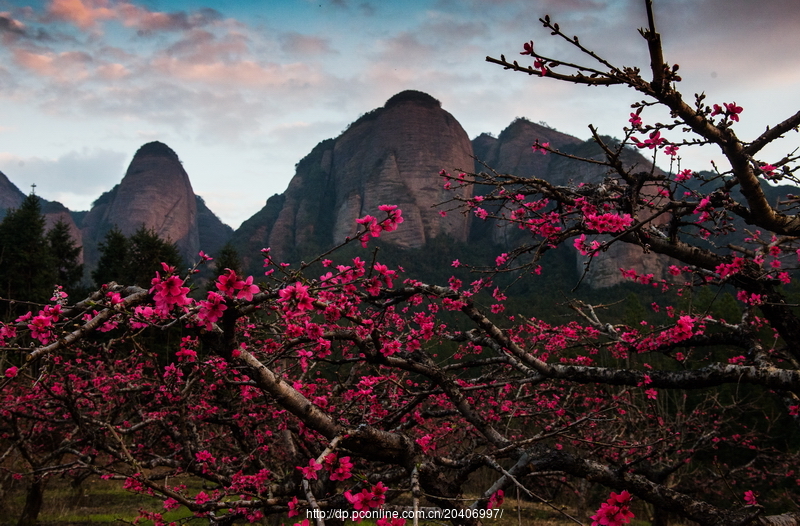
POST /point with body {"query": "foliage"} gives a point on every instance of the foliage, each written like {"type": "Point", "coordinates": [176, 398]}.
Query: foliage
{"type": "Point", "coordinates": [133, 259]}
{"type": "Point", "coordinates": [349, 388]}
{"type": "Point", "coordinates": [26, 264]}
{"type": "Point", "coordinates": [66, 256]}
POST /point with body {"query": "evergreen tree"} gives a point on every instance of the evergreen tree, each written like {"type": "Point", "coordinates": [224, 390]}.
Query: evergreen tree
{"type": "Point", "coordinates": [148, 251]}
{"type": "Point", "coordinates": [27, 271]}
{"type": "Point", "coordinates": [114, 255]}
{"type": "Point", "coordinates": [134, 260]}
{"type": "Point", "coordinates": [228, 258]}
{"type": "Point", "coordinates": [66, 255]}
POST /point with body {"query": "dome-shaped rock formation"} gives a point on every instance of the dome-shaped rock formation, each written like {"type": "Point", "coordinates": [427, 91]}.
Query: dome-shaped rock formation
{"type": "Point", "coordinates": [155, 193]}
{"type": "Point", "coordinates": [391, 155]}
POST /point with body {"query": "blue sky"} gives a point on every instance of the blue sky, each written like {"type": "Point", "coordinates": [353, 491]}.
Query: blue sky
{"type": "Point", "coordinates": [242, 90]}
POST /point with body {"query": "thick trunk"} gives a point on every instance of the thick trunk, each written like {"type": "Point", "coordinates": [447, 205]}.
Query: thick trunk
{"type": "Point", "coordinates": [33, 504]}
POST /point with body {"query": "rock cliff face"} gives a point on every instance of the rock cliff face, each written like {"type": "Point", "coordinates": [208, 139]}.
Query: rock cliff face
{"type": "Point", "coordinates": [391, 155]}
{"type": "Point", "coordinates": [155, 193]}
{"type": "Point", "coordinates": [511, 152]}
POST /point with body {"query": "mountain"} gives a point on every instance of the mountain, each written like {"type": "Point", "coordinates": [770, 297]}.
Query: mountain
{"type": "Point", "coordinates": [511, 152]}
{"type": "Point", "coordinates": [391, 155]}
{"type": "Point", "coordinates": [155, 193]}
{"type": "Point", "coordinates": [53, 211]}
{"type": "Point", "coordinates": [10, 195]}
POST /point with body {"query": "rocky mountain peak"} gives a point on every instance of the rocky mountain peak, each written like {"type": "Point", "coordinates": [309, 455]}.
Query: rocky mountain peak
{"type": "Point", "coordinates": [417, 97]}
{"type": "Point", "coordinates": [155, 193]}
{"type": "Point", "coordinates": [390, 155]}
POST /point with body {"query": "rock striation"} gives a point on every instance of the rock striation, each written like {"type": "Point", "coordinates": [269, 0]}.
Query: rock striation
{"type": "Point", "coordinates": [391, 155]}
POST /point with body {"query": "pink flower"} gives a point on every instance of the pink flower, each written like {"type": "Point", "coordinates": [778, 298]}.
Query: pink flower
{"type": "Point", "coordinates": [733, 111]}
{"type": "Point", "coordinates": [496, 500]}
{"type": "Point", "coordinates": [204, 456]}
{"type": "Point", "coordinates": [608, 222]}
{"type": "Point", "coordinates": [541, 147]}
{"type": "Point", "coordinates": [12, 371]}
{"type": "Point", "coordinates": [211, 309]}
{"type": "Point", "coordinates": [655, 139]}
{"type": "Point", "coordinates": [169, 293]}
{"type": "Point", "coordinates": [293, 512]}
{"type": "Point", "coordinates": [750, 498]}
{"type": "Point", "coordinates": [635, 120]}
{"type": "Point", "coordinates": [310, 471]}
{"type": "Point", "coordinates": [201, 498]}
{"type": "Point", "coordinates": [296, 294]}
{"type": "Point", "coordinates": [527, 48]}
{"type": "Point", "coordinates": [614, 512]}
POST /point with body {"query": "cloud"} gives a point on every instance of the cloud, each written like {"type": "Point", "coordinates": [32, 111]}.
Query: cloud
{"type": "Point", "coordinates": [97, 170]}
{"type": "Point", "coordinates": [84, 14]}
{"type": "Point", "coordinates": [88, 14]}
{"type": "Point", "coordinates": [296, 44]}
{"type": "Point", "coordinates": [68, 66]}
{"type": "Point", "coordinates": [201, 46]}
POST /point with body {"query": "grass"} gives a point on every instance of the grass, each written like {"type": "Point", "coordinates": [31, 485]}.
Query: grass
{"type": "Point", "coordinates": [106, 502]}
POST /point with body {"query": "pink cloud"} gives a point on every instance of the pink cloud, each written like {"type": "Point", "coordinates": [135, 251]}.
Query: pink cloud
{"type": "Point", "coordinates": [87, 14]}
{"type": "Point", "coordinates": [83, 13]}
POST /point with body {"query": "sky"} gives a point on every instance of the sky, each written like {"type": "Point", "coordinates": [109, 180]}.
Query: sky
{"type": "Point", "coordinates": [242, 90]}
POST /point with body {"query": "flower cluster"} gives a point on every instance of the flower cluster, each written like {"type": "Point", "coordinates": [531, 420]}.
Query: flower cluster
{"type": "Point", "coordinates": [375, 227]}
{"type": "Point", "coordinates": [615, 511]}
{"type": "Point", "coordinates": [731, 110]}
{"type": "Point", "coordinates": [169, 292]}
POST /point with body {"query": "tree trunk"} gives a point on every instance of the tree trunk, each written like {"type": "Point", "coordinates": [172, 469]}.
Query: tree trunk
{"type": "Point", "coordinates": [33, 504]}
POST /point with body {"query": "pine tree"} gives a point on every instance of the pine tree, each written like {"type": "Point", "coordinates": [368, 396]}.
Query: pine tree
{"type": "Point", "coordinates": [134, 260]}
{"type": "Point", "coordinates": [228, 258]}
{"type": "Point", "coordinates": [148, 251]}
{"type": "Point", "coordinates": [27, 271]}
{"type": "Point", "coordinates": [66, 255]}
{"type": "Point", "coordinates": [114, 255]}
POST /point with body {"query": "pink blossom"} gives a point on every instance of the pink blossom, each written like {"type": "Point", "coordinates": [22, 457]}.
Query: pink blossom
{"type": "Point", "coordinates": [293, 512]}
{"type": "Point", "coordinates": [655, 139]}
{"type": "Point", "coordinates": [211, 309]}
{"type": "Point", "coordinates": [733, 111]}
{"type": "Point", "coordinates": [310, 471]}
{"type": "Point", "coordinates": [615, 511]}
{"type": "Point", "coordinates": [204, 456]}
{"type": "Point", "coordinates": [540, 147]}
{"type": "Point", "coordinates": [496, 500]}
{"type": "Point", "coordinates": [169, 293]}
{"type": "Point", "coordinates": [296, 295]}
{"type": "Point", "coordinates": [750, 498]}
{"type": "Point", "coordinates": [12, 371]}
{"type": "Point", "coordinates": [608, 222]}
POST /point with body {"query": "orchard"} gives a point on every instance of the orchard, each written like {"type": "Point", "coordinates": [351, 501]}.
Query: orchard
{"type": "Point", "coordinates": [344, 384]}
